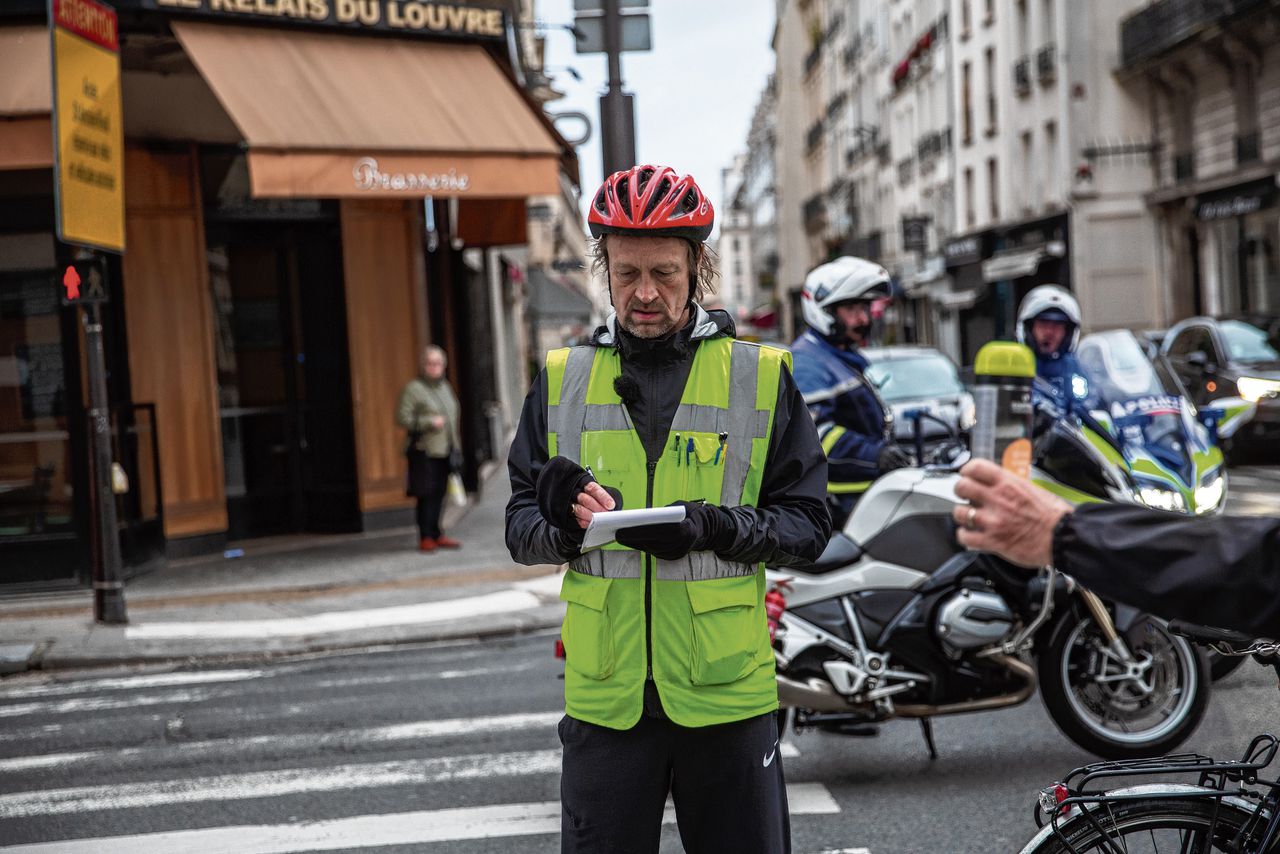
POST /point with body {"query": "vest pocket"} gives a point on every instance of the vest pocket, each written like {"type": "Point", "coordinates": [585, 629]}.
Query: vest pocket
{"type": "Point", "coordinates": [726, 624]}
{"type": "Point", "coordinates": [587, 634]}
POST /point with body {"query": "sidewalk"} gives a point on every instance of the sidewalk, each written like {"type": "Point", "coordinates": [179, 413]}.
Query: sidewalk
{"type": "Point", "coordinates": [297, 595]}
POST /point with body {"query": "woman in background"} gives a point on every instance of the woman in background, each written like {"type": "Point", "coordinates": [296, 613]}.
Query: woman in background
{"type": "Point", "coordinates": [428, 409]}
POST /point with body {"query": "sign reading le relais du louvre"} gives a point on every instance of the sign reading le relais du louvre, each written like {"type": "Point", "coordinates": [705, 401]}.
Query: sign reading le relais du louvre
{"type": "Point", "coordinates": [406, 17]}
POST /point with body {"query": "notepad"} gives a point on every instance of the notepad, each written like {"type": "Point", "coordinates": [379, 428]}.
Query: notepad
{"type": "Point", "coordinates": [605, 525]}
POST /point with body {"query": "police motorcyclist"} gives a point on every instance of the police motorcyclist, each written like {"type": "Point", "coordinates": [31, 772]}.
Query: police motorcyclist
{"type": "Point", "coordinates": [1049, 323]}
{"type": "Point", "coordinates": [853, 422]}
{"type": "Point", "coordinates": [1221, 571]}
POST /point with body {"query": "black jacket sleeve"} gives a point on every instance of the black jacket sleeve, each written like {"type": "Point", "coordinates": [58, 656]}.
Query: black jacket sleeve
{"type": "Point", "coordinates": [531, 539]}
{"type": "Point", "coordinates": [790, 524]}
{"type": "Point", "coordinates": [1222, 571]}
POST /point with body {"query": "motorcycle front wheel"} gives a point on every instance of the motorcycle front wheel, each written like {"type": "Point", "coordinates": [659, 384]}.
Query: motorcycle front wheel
{"type": "Point", "coordinates": [1115, 711]}
{"type": "Point", "coordinates": [1153, 825]}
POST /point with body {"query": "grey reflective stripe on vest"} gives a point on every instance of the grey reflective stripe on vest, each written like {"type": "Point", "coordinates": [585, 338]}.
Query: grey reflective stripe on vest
{"type": "Point", "coordinates": [745, 422]}
{"type": "Point", "coordinates": [701, 566]}
{"type": "Point", "coordinates": [609, 563]}
{"type": "Point", "coordinates": [566, 420]}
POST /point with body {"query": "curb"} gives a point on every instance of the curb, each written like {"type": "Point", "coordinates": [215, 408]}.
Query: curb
{"type": "Point", "coordinates": [43, 656]}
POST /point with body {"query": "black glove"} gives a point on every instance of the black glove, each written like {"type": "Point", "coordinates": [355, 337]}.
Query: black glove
{"type": "Point", "coordinates": [892, 457]}
{"type": "Point", "coordinates": [559, 483]}
{"type": "Point", "coordinates": [706, 527]}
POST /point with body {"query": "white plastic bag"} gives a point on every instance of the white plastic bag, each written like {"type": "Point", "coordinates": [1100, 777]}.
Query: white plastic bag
{"type": "Point", "coordinates": [457, 493]}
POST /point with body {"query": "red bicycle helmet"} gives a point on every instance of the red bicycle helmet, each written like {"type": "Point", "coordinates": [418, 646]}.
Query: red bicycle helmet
{"type": "Point", "coordinates": [651, 201]}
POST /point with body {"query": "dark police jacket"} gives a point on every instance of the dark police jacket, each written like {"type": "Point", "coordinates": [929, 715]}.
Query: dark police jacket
{"type": "Point", "coordinates": [1222, 571]}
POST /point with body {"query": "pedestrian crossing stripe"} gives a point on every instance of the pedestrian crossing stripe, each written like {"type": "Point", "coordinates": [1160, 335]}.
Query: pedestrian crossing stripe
{"type": "Point", "coordinates": [368, 831]}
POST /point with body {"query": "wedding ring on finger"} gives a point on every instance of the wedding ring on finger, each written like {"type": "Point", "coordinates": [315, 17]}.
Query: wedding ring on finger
{"type": "Point", "coordinates": [969, 517]}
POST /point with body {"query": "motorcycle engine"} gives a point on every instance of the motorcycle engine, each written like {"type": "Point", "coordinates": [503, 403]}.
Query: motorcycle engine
{"type": "Point", "coordinates": [972, 619]}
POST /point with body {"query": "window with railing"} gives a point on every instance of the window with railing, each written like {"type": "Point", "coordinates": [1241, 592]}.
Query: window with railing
{"type": "Point", "coordinates": [1047, 64]}
{"type": "Point", "coordinates": [1247, 149]}
{"type": "Point", "coordinates": [1184, 166]}
{"type": "Point", "coordinates": [813, 138]}
{"type": "Point", "coordinates": [1022, 77]}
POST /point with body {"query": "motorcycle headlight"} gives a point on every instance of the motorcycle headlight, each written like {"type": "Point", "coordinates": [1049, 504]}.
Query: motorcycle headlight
{"type": "Point", "coordinates": [1210, 493]}
{"type": "Point", "coordinates": [1253, 389]}
{"type": "Point", "coordinates": [1162, 499]}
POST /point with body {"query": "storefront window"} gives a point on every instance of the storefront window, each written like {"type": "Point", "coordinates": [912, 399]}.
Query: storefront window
{"type": "Point", "coordinates": [1248, 249]}
{"type": "Point", "coordinates": [36, 482]}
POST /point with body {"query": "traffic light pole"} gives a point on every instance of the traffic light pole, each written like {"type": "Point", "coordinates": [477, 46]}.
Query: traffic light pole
{"type": "Point", "coordinates": [617, 110]}
{"type": "Point", "coordinates": [108, 584]}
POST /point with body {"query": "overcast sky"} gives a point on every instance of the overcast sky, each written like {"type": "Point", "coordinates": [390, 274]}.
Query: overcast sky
{"type": "Point", "coordinates": [695, 91]}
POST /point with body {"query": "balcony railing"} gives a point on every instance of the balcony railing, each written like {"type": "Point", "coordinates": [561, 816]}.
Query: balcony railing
{"type": "Point", "coordinates": [1022, 76]}
{"type": "Point", "coordinates": [1168, 23]}
{"type": "Point", "coordinates": [1247, 149]}
{"type": "Point", "coordinates": [1184, 166]}
{"type": "Point", "coordinates": [1047, 64]}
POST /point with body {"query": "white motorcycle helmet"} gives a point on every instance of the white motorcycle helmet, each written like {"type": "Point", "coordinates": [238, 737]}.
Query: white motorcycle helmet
{"type": "Point", "coordinates": [844, 279]}
{"type": "Point", "coordinates": [1049, 302]}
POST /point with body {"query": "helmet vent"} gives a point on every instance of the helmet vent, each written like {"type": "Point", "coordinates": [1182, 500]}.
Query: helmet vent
{"type": "Point", "coordinates": [624, 197]}
{"type": "Point", "coordinates": [664, 186]}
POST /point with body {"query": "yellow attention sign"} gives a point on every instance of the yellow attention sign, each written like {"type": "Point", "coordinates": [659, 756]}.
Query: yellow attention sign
{"type": "Point", "coordinates": [88, 123]}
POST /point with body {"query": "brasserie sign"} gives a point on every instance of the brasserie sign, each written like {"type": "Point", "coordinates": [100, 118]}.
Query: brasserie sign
{"type": "Point", "coordinates": [405, 17]}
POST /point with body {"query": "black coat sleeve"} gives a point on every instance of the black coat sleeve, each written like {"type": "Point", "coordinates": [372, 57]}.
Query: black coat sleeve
{"type": "Point", "coordinates": [790, 524]}
{"type": "Point", "coordinates": [1222, 571]}
{"type": "Point", "coordinates": [531, 539]}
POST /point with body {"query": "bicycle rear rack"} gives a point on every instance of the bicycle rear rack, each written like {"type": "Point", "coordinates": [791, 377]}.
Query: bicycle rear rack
{"type": "Point", "coordinates": [1211, 778]}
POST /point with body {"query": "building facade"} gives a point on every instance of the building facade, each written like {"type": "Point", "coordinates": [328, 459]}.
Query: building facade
{"type": "Point", "coordinates": [1208, 74]}
{"type": "Point", "coordinates": [300, 222]}
{"type": "Point", "coordinates": [976, 148]}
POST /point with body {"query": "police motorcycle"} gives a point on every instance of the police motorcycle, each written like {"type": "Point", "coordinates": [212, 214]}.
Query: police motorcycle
{"type": "Point", "coordinates": [1171, 447]}
{"type": "Point", "coordinates": [895, 620]}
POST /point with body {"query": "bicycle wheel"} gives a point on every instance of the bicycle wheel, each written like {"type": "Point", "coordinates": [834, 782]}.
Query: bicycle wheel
{"type": "Point", "coordinates": [1154, 826]}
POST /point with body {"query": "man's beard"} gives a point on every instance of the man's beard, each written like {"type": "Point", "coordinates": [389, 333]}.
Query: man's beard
{"type": "Point", "coordinates": [653, 329]}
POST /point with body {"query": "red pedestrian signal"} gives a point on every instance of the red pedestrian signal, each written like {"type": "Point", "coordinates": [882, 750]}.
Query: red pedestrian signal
{"type": "Point", "coordinates": [71, 281]}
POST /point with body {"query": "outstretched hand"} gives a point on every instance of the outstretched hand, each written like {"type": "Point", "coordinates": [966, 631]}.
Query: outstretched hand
{"type": "Point", "coordinates": [1006, 514]}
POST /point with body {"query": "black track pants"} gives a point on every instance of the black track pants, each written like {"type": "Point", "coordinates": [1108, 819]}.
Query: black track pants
{"type": "Point", "coordinates": [726, 782]}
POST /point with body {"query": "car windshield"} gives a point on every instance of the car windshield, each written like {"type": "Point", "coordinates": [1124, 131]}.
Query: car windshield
{"type": "Point", "coordinates": [1246, 342]}
{"type": "Point", "coordinates": [1119, 367]}
{"type": "Point", "coordinates": [915, 377]}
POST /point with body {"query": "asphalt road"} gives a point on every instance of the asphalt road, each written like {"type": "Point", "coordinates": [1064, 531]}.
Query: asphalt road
{"type": "Point", "coordinates": [453, 749]}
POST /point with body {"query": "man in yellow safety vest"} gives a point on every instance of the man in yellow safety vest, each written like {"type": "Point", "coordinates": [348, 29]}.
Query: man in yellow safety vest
{"type": "Point", "coordinates": [669, 678]}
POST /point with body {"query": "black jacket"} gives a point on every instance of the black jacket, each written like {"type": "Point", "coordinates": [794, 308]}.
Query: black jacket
{"type": "Point", "coordinates": [789, 526]}
{"type": "Point", "coordinates": [1222, 571]}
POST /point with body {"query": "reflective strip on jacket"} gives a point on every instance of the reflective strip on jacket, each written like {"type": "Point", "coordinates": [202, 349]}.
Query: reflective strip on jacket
{"type": "Point", "coordinates": [711, 657]}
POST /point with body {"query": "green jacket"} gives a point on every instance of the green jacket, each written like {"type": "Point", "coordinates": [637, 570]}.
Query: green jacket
{"type": "Point", "coordinates": [697, 625]}
{"type": "Point", "coordinates": [420, 401]}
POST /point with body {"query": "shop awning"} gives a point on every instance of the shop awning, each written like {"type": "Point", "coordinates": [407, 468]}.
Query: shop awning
{"type": "Point", "coordinates": [551, 300]}
{"type": "Point", "coordinates": [341, 116]}
{"type": "Point", "coordinates": [26, 133]}
{"type": "Point", "coordinates": [1009, 264]}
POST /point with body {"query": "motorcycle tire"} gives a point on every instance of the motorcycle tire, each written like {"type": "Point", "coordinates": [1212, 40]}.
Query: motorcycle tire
{"type": "Point", "coordinates": [1174, 693]}
{"type": "Point", "coordinates": [1221, 666]}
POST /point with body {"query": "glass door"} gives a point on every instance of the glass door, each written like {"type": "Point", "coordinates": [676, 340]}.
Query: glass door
{"type": "Point", "coordinates": [40, 539]}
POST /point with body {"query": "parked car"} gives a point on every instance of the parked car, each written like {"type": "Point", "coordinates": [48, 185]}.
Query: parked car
{"type": "Point", "coordinates": [911, 377]}
{"type": "Point", "coordinates": [1222, 362]}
